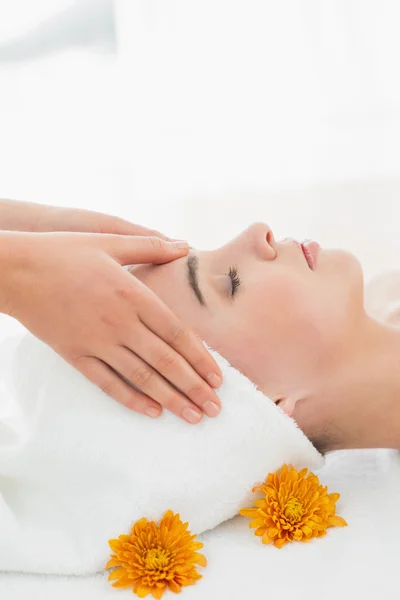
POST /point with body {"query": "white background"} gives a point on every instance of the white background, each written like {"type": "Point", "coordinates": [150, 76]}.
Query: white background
{"type": "Point", "coordinates": [200, 117]}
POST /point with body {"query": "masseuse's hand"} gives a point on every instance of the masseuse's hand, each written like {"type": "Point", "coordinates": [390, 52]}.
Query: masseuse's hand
{"type": "Point", "coordinates": [41, 218]}
{"type": "Point", "coordinates": [55, 218]}
{"type": "Point", "coordinates": [70, 290]}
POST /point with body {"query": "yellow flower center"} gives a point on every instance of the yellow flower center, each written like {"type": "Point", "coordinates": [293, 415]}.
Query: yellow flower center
{"type": "Point", "coordinates": [293, 509]}
{"type": "Point", "coordinates": [157, 558]}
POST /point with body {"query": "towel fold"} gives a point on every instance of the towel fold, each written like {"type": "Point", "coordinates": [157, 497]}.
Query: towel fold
{"type": "Point", "coordinates": [77, 468]}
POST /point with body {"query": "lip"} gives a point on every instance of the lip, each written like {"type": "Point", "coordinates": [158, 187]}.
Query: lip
{"type": "Point", "coordinates": [310, 250]}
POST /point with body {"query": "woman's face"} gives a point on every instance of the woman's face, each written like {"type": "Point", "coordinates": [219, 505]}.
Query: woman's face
{"type": "Point", "coordinates": [282, 324]}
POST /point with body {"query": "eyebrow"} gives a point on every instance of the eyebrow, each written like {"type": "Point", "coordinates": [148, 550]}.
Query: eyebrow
{"type": "Point", "coordinates": [193, 277]}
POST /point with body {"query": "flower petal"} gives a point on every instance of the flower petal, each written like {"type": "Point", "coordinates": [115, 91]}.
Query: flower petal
{"type": "Point", "coordinates": [272, 532]}
{"type": "Point", "coordinates": [298, 535]}
{"type": "Point", "coordinates": [336, 521]}
{"type": "Point", "coordinates": [199, 559]}
{"type": "Point", "coordinates": [157, 592]}
{"type": "Point", "coordinates": [257, 522]}
{"type": "Point", "coordinates": [122, 583]}
{"type": "Point", "coordinates": [197, 545]}
{"type": "Point", "coordinates": [115, 545]}
{"type": "Point", "coordinates": [307, 531]}
{"type": "Point", "coordinates": [117, 573]}
{"type": "Point", "coordinates": [249, 512]}
{"type": "Point", "coordinates": [266, 539]}
{"type": "Point", "coordinates": [174, 587]}
{"type": "Point", "coordinates": [142, 591]}
{"type": "Point", "coordinates": [334, 497]}
{"type": "Point", "coordinates": [113, 562]}
{"type": "Point", "coordinates": [260, 503]}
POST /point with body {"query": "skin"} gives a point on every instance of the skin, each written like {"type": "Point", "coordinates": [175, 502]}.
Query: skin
{"type": "Point", "coordinates": [302, 336]}
{"type": "Point", "coordinates": [62, 277]}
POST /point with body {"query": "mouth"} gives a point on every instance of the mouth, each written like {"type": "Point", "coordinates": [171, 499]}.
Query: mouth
{"type": "Point", "coordinates": [310, 250]}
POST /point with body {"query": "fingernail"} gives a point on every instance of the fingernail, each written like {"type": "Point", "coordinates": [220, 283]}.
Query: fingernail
{"type": "Point", "coordinates": [181, 244]}
{"type": "Point", "coordinates": [214, 379]}
{"type": "Point", "coordinates": [191, 415]}
{"type": "Point", "coordinates": [211, 409]}
{"type": "Point", "coordinates": [152, 411]}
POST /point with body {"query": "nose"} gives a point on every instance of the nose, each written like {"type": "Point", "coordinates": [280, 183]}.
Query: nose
{"type": "Point", "coordinates": [262, 239]}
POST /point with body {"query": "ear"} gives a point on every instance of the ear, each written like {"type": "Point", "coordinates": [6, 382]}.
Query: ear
{"type": "Point", "coordinates": [286, 404]}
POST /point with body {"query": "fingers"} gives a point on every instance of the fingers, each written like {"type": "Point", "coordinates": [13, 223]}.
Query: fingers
{"type": "Point", "coordinates": [159, 319]}
{"type": "Point", "coordinates": [180, 374]}
{"type": "Point", "coordinates": [111, 384]}
{"type": "Point", "coordinates": [122, 227]}
{"type": "Point", "coordinates": [151, 383]}
{"type": "Point", "coordinates": [142, 249]}
{"type": "Point", "coordinates": [78, 219]}
{"type": "Point", "coordinates": [154, 233]}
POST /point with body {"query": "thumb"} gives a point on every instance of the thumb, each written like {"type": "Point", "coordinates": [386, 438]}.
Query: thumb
{"type": "Point", "coordinates": [129, 250]}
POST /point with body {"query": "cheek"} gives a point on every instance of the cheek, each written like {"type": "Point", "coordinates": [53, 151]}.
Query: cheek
{"type": "Point", "coordinates": [285, 307]}
{"type": "Point", "coordinates": [289, 331]}
{"type": "Point", "coordinates": [338, 299]}
{"type": "Point", "coordinates": [269, 333]}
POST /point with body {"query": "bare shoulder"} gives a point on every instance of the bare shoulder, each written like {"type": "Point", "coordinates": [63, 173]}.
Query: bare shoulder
{"type": "Point", "coordinates": [382, 297]}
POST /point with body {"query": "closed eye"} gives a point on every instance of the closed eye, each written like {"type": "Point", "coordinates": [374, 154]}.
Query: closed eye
{"type": "Point", "coordinates": [233, 274]}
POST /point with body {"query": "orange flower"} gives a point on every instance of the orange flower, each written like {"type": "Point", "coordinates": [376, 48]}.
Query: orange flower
{"type": "Point", "coordinates": [153, 558]}
{"type": "Point", "coordinates": [295, 508]}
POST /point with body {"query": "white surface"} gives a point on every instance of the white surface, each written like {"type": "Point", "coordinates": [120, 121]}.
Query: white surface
{"type": "Point", "coordinates": [360, 560]}
{"type": "Point", "coordinates": [78, 468]}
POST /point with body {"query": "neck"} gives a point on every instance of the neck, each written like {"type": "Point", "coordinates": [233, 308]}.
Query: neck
{"type": "Point", "coordinates": [369, 389]}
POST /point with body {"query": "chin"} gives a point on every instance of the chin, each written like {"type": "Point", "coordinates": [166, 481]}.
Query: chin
{"type": "Point", "coordinates": [343, 260]}
{"type": "Point", "coordinates": [343, 269]}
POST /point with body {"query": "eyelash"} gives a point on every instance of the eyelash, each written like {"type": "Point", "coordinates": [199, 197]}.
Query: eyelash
{"type": "Point", "coordinates": [234, 278]}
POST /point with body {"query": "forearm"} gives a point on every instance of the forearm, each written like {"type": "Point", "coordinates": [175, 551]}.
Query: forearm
{"type": "Point", "coordinates": [11, 259]}
{"type": "Point", "coordinates": [43, 218]}
{"type": "Point", "coordinates": [21, 216]}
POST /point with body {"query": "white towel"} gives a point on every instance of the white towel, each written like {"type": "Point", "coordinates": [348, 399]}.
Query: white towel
{"type": "Point", "coordinates": [77, 468]}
